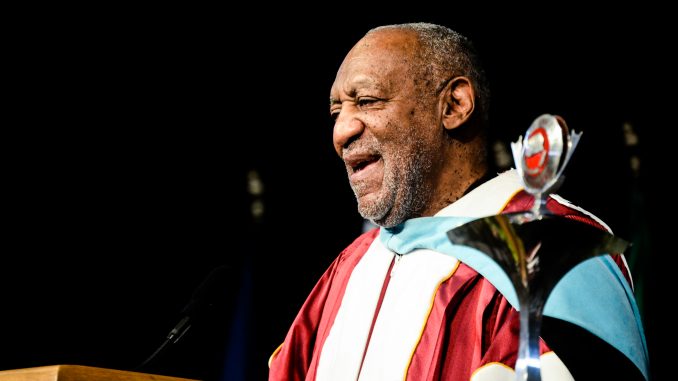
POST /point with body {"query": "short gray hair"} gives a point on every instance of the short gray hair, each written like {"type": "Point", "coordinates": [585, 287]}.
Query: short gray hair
{"type": "Point", "coordinates": [446, 53]}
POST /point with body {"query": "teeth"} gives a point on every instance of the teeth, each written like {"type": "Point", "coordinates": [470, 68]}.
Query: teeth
{"type": "Point", "coordinates": [363, 164]}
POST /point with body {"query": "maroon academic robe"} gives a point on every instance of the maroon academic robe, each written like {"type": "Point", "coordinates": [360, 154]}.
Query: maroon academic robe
{"type": "Point", "coordinates": [470, 325]}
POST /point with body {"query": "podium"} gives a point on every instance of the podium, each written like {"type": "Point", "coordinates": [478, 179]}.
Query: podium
{"type": "Point", "coordinates": [80, 373]}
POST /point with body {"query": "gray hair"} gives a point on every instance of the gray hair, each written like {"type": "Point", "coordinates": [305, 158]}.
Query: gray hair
{"type": "Point", "coordinates": [446, 53]}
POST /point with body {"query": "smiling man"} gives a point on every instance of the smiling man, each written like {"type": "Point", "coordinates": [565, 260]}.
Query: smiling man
{"type": "Point", "coordinates": [410, 106]}
{"type": "Point", "coordinates": [394, 111]}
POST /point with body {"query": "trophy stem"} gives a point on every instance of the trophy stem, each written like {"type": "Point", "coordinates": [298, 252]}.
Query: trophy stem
{"type": "Point", "coordinates": [528, 364]}
{"type": "Point", "coordinates": [539, 206]}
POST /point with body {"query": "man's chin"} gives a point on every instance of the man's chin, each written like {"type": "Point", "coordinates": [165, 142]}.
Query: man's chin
{"type": "Point", "coordinates": [372, 208]}
{"type": "Point", "coordinates": [385, 222]}
{"type": "Point", "coordinates": [382, 213]}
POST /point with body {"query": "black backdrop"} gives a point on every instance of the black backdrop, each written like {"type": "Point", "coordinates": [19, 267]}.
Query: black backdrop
{"type": "Point", "coordinates": [133, 132]}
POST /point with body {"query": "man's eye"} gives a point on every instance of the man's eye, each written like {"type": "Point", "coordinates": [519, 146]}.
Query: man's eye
{"type": "Point", "coordinates": [365, 101]}
{"type": "Point", "coordinates": [334, 114]}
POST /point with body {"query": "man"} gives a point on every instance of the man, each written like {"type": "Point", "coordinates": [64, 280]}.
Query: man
{"type": "Point", "coordinates": [410, 107]}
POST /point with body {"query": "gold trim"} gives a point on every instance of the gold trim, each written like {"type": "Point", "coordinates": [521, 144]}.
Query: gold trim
{"type": "Point", "coordinates": [430, 308]}
{"type": "Point", "coordinates": [509, 200]}
{"type": "Point", "coordinates": [275, 352]}
{"type": "Point", "coordinates": [491, 363]}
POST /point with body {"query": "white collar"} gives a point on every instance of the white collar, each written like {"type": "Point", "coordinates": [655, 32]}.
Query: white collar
{"type": "Point", "coordinates": [487, 199]}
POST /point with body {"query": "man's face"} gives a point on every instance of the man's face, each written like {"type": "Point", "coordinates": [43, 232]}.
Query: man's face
{"type": "Point", "coordinates": [386, 127]}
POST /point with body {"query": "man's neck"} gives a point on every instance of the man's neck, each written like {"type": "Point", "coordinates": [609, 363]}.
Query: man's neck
{"type": "Point", "coordinates": [483, 179]}
{"type": "Point", "coordinates": [455, 190]}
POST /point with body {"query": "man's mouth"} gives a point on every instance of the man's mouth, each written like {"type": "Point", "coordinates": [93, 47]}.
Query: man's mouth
{"type": "Point", "coordinates": [358, 163]}
{"type": "Point", "coordinates": [366, 169]}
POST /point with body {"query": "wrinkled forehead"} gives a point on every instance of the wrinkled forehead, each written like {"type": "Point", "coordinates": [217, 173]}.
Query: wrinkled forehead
{"type": "Point", "coordinates": [381, 58]}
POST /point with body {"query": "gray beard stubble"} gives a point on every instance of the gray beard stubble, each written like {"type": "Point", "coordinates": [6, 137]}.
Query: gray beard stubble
{"type": "Point", "coordinates": [406, 193]}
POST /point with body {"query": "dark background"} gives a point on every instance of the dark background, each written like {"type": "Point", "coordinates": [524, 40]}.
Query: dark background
{"type": "Point", "coordinates": [132, 133]}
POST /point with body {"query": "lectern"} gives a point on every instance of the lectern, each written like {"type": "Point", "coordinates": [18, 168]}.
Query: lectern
{"type": "Point", "coordinates": [79, 373]}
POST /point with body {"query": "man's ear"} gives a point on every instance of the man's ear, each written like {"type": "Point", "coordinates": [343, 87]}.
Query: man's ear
{"type": "Point", "coordinates": [458, 102]}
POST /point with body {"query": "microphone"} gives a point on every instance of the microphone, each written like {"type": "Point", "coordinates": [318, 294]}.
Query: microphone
{"type": "Point", "coordinates": [205, 297]}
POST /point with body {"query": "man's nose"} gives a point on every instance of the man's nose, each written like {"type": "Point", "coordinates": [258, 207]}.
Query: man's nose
{"type": "Point", "coordinates": [347, 128]}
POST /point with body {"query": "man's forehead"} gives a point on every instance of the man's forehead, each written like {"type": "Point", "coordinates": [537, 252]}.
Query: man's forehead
{"type": "Point", "coordinates": [374, 70]}
{"type": "Point", "coordinates": [353, 83]}
{"type": "Point", "coordinates": [361, 80]}
{"type": "Point", "coordinates": [382, 47]}
{"type": "Point", "coordinates": [389, 39]}
{"type": "Point", "coordinates": [374, 61]}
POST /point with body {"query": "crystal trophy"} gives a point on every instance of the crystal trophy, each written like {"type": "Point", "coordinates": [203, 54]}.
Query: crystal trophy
{"type": "Point", "coordinates": [536, 248]}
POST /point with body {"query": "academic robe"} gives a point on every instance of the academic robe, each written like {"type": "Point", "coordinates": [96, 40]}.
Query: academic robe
{"type": "Point", "coordinates": [383, 312]}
